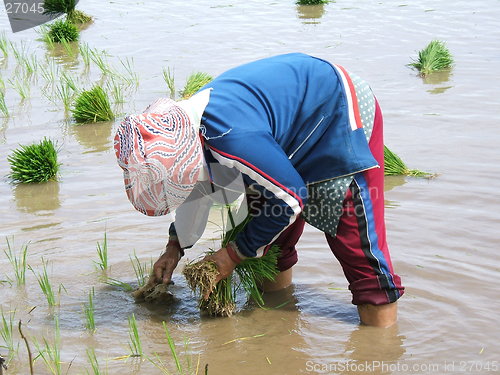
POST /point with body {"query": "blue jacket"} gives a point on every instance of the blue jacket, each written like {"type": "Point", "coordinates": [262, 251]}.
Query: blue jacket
{"type": "Point", "coordinates": [284, 122]}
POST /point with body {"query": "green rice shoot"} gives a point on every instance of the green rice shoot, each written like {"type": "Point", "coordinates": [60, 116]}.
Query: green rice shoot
{"type": "Point", "coordinates": [6, 333]}
{"type": "Point", "coordinates": [34, 163]}
{"type": "Point", "coordinates": [135, 343]}
{"type": "Point", "coordinates": [92, 106]}
{"type": "Point", "coordinates": [117, 284]}
{"type": "Point", "coordinates": [180, 369]}
{"type": "Point", "coordinates": [195, 82]}
{"type": "Point", "coordinates": [94, 363]}
{"type": "Point", "coordinates": [17, 261]}
{"type": "Point", "coordinates": [394, 165]}
{"type": "Point", "coordinates": [141, 270]}
{"type": "Point", "coordinates": [3, 106]}
{"type": "Point", "coordinates": [46, 285]}
{"type": "Point", "coordinates": [4, 44]}
{"type": "Point", "coordinates": [434, 57]}
{"type": "Point", "coordinates": [50, 352]}
{"type": "Point", "coordinates": [89, 312]}
{"type": "Point", "coordinates": [168, 76]}
{"type": "Point", "coordinates": [102, 254]}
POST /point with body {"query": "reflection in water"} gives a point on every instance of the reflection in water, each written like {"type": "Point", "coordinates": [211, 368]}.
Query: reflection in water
{"type": "Point", "coordinates": [375, 345]}
{"type": "Point", "coordinates": [310, 13]}
{"type": "Point", "coordinates": [3, 129]}
{"type": "Point", "coordinates": [437, 77]}
{"type": "Point", "coordinates": [390, 182]}
{"type": "Point", "coordinates": [66, 55]}
{"type": "Point", "coordinates": [94, 137]}
{"type": "Point", "coordinates": [32, 198]}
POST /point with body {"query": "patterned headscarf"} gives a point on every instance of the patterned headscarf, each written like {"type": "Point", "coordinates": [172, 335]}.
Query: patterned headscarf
{"type": "Point", "coordinates": [161, 156]}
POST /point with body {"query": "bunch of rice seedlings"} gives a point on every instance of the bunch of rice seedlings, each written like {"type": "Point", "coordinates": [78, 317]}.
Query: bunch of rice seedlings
{"type": "Point", "coordinates": [18, 262]}
{"type": "Point", "coordinates": [34, 163]}
{"type": "Point", "coordinates": [88, 311]}
{"type": "Point", "coordinates": [251, 273]}
{"type": "Point", "coordinates": [135, 343]}
{"type": "Point", "coordinates": [50, 352]}
{"type": "Point", "coordinates": [432, 58]}
{"type": "Point", "coordinates": [58, 7]}
{"type": "Point", "coordinates": [63, 30]}
{"type": "Point", "coordinates": [311, 2]}
{"type": "Point", "coordinates": [393, 165]}
{"type": "Point", "coordinates": [102, 253]}
{"type": "Point", "coordinates": [6, 333]}
{"type": "Point", "coordinates": [195, 82]}
{"type": "Point", "coordinates": [92, 106]}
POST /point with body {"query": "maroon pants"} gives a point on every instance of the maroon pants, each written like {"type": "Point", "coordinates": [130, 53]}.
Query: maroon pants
{"type": "Point", "coordinates": [360, 244]}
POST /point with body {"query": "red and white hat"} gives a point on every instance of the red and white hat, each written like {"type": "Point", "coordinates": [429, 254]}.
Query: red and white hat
{"type": "Point", "coordinates": [161, 155]}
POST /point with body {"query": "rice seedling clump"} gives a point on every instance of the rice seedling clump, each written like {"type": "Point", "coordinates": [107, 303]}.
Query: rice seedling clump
{"type": "Point", "coordinates": [432, 58]}
{"type": "Point", "coordinates": [393, 166]}
{"type": "Point", "coordinates": [34, 163]}
{"type": "Point", "coordinates": [195, 82]}
{"type": "Point", "coordinates": [63, 31]}
{"type": "Point", "coordinates": [58, 7]}
{"type": "Point", "coordinates": [311, 2]}
{"type": "Point", "coordinates": [92, 106]}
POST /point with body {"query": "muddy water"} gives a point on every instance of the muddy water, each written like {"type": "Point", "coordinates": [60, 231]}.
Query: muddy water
{"type": "Point", "coordinates": [443, 233]}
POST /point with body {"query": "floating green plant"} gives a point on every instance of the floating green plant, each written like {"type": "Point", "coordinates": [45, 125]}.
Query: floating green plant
{"type": "Point", "coordinates": [195, 82]}
{"type": "Point", "coordinates": [393, 165]}
{"type": "Point", "coordinates": [89, 312]}
{"type": "Point", "coordinates": [168, 76]}
{"type": "Point", "coordinates": [58, 7]}
{"type": "Point", "coordinates": [92, 106]}
{"type": "Point", "coordinates": [18, 262]}
{"type": "Point", "coordinates": [63, 30]}
{"type": "Point", "coordinates": [102, 253]}
{"type": "Point", "coordinates": [50, 352]}
{"type": "Point", "coordinates": [135, 343]}
{"type": "Point", "coordinates": [432, 58]}
{"type": "Point", "coordinates": [34, 163]}
{"type": "Point", "coordinates": [6, 333]}
{"type": "Point", "coordinates": [311, 2]}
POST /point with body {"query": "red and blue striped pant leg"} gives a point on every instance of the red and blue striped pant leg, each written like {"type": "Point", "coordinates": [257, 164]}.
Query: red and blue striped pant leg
{"type": "Point", "coordinates": [360, 244]}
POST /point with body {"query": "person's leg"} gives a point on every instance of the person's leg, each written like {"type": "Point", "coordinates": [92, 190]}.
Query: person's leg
{"type": "Point", "coordinates": [286, 241]}
{"type": "Point", "coordinates": [360, 244]}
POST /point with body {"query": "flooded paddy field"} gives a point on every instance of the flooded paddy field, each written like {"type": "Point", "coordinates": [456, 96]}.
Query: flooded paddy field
{"type": "Point", "coordinates": [443, 233]}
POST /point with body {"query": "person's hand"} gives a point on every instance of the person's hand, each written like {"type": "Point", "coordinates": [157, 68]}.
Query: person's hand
{"type": "Point", "coordinates": [166, 263]}
{"type": "Point", "coordinates": [225, 265]}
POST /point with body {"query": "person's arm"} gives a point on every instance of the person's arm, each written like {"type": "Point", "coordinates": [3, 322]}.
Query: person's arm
{"type": "Point", "coordinates": [265, 165]}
